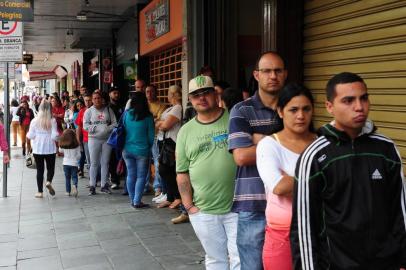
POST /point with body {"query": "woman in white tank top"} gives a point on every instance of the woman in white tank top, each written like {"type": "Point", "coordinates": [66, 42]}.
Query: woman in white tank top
{"type": "Point", "coordinates": [276, 161]}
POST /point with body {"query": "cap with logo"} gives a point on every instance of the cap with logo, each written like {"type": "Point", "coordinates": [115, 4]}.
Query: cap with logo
{"type": "Point", "coordinates": [200, 83]}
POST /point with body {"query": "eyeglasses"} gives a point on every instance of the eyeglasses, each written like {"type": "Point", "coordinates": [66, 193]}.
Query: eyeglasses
{"type": "Point", "coordinates": [277, 71]}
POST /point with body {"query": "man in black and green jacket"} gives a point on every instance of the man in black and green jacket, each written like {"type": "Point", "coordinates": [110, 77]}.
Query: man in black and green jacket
{"type": "Point", "coordinates": [349, 197]}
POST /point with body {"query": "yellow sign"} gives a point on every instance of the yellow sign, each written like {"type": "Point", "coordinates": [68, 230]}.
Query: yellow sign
{"type": "Point", "coordinates": [17, 10]}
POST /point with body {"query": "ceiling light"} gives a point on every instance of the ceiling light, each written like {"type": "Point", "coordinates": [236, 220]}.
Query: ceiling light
{"type": "Point", "coordinates": [81, 16]}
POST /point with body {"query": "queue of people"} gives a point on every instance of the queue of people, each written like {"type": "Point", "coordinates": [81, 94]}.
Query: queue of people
{"type": "Point", "coordinates": [262, 188]}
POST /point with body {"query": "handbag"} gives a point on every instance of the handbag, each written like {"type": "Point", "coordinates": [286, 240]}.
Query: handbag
{"type": "Point", "coordinates": [167, 153]}
{"type": "Point", "coordinates": [30, 161]}
{"type": "Point", "coordinates": [120, 169]}
{"type": "Point", "coordinates": [117, 137]}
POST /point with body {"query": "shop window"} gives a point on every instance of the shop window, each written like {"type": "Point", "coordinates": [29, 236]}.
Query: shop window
{"type": "Point", "coordinates": [166, 70]}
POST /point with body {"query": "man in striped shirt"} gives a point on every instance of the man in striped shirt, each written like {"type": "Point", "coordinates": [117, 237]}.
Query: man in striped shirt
{"type": "Point", "coordinates": [250, 120]}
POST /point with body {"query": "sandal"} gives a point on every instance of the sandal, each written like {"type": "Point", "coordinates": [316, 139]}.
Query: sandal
{"type": "Point", "coordinates": [175, 204]}
{"type": "Point", "coordinates": [163, 204]}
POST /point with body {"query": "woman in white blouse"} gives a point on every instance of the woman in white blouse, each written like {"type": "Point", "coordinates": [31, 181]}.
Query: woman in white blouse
{"type": "Point", "coordinates": [276, 161]}
{"type": "Point", "coordinates": [43, 134]}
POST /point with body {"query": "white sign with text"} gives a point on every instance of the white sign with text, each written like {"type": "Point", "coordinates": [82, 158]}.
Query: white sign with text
{"type": "Point", "coordinates": [11, 41]}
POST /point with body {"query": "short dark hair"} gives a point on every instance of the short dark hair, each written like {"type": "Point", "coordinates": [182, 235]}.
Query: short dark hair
{"type": "Point", "coordinates": [222, 84]}
{"type": "Point", "coordinates": [292, 90]}
{"type": "Point", "coordinates": [68, 139]}
{"type": "Point", "coordinates": [265, 53]}
{"type": "Point", "coordinates": [14, 102]}
{"type": "Point", "coordinates": [341, 78]}
{"type": "Point", "coordinates": [76, 93]}
{"type": "Point", "coordinates": [231, 97]}
{"type": "Point", "coordinates": [114, 88]}
{"type": "Point", "coordinates": [97, 93]}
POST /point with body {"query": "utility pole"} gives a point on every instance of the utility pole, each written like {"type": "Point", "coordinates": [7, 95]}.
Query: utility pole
{"type": "Point", "coordinates": [6, 125]}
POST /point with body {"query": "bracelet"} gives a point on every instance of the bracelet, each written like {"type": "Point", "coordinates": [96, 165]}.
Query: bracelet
{"type": "Point", "coordinates": [187, 208]}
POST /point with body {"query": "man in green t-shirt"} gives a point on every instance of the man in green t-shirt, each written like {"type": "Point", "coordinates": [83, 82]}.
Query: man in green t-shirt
{"type": "Point", "coordinates": [205, 175]}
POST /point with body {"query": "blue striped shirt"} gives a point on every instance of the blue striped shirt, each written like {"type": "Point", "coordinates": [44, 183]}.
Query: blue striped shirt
{"type": "Point", "coordinates": [246, 118]}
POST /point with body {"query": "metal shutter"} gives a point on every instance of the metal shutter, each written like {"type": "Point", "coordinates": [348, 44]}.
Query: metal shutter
{"type": "Point", "coordinates": [367, 37]}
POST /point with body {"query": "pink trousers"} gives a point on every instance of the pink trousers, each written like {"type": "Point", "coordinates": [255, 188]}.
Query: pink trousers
{"type": "Point", "coordinates": [276, 253]}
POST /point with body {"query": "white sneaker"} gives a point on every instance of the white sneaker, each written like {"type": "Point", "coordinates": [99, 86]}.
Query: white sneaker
{"type": "Point", "coordinates": [162, 199]}
{"type": "Point", "coordinates": [157, 197]}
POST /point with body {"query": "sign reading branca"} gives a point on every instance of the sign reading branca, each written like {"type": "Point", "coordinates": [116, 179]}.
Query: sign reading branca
{"type": "Point", "coordinates": [17, 10]}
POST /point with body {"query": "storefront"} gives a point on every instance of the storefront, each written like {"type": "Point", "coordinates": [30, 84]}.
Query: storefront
{"type": "Point", "coordinates": [160, 40]}
{"type": "Point", "coordinates": [364, 37]}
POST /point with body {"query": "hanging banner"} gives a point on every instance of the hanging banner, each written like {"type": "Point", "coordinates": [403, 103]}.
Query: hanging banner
{"type": "Point", "coordinates": [17, 10]}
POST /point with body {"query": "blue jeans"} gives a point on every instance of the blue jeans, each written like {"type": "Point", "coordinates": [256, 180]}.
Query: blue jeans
{"type": "Point", "coordinates": [71, 172]}
{"type": "Point", "coordinates": [250, 239]}
{"type": "Point", "coordinates": [137, 169]}
{"type": "Point", "coordinates": [158, 183]}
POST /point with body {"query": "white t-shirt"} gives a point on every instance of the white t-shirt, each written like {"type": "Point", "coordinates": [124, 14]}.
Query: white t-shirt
{"type": "Point", "coordinates": [272, 159]}
{"type": "Point", "coordinates": [176, 111]}
{"type": "Point", "coordinates": [13, 112]}
{"type": "Point", "coordinates": [71, 157]}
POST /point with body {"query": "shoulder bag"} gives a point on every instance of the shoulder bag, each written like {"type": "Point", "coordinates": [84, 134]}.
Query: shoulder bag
{"type": "Point", "coordinates": [167, 153]}
{"type": "Point", "coordinates": [117, 136]}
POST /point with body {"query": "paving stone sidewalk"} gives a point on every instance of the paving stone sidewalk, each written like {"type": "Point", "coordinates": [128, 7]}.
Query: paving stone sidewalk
{"type": "Point", "coordinates": [89, 232]}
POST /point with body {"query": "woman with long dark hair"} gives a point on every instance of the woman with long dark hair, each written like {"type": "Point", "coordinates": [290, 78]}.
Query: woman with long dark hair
{"type": "Point", "coordinates": [276, 161]}
{"type": "Point", "coordinates": [58, 112]}
{"type": "Point", "coordinates": [43, 133]}
{"type": "Point", "coordinates": [139, 129]}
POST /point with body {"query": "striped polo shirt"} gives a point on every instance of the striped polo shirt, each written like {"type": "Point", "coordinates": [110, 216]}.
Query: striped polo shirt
{"type": "Point", "coordinates": [246, 118]}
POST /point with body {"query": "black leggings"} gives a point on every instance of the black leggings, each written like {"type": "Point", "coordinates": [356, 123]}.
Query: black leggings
{"type": "Point", "coordinates": [39, 161]}
{"type": "Point", "coordinates": [168, 174]}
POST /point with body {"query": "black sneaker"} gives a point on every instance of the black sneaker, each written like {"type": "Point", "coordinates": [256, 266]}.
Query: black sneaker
{"type": "Point", "coordinates": [106, 189]}
{"type": "Point", "coordinates": [140, 205]}
{"type": "Point", "coordinates": [92, 191]}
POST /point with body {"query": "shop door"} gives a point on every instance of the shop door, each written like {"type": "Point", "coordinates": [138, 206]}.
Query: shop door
{"type": "Point", "coordinates": [166, 70]}
{"type": "Point", "coordinates": [365, 37]}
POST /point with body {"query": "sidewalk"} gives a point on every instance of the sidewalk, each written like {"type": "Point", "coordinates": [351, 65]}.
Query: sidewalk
{"type": "Point", "coordinates": [90, 232]}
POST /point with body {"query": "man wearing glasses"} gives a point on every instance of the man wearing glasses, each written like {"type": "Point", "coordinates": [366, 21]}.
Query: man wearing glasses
{"type": "Point", "coordinates": [250, 120]}
{"type": "Point", "coordinates": [205, 176]}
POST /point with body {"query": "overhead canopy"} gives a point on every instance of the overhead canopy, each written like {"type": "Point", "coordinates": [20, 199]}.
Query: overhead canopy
{"type": "Point", "coordinates": [42, 75]}
{"type": "Point", "coordinates": [57, 72]}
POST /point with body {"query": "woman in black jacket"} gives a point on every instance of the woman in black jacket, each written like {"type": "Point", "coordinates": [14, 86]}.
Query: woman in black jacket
{"type": "Point", "coordinates": [26, 115]}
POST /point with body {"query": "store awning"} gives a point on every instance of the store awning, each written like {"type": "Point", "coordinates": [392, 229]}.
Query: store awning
{"type": "Point", "coordinates": [42, 75]}
{"type": "Point", "coordinates": [57, 72]}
